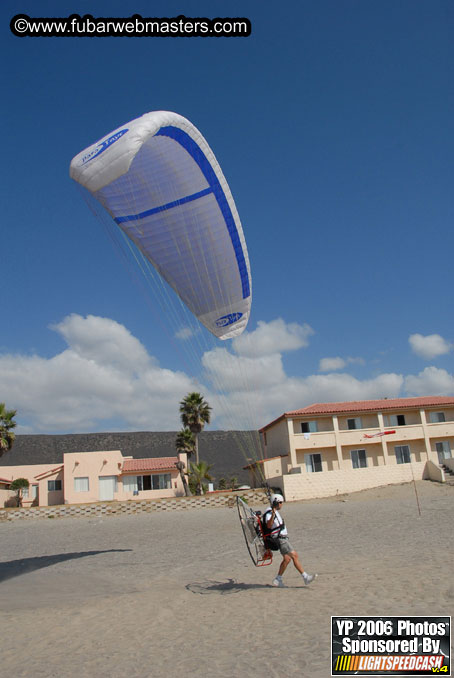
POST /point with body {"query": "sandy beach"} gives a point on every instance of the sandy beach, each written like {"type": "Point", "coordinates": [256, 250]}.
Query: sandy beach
{"type": "Point", "coordinates": [176, 594]}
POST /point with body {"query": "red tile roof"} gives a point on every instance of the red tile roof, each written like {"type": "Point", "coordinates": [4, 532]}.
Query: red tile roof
{"type": "Point", "coordinates": [366, 406]}
{"type": "Point", "coordinates": [156, 464]}
{"type": "Point", "coordinates": [4, 480]}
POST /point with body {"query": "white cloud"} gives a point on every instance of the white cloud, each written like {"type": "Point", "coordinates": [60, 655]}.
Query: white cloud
{"type": "Point", "coordinates": [229, 372]}
{"type": "Point", "coordinates": [431, 381]}
{"type": "Point", "coordinates": [103, 341]}
{"type": "Point", "coordinates": [256, 389]}
{"type": "Point", "coordinates": [430, 346]}
{"type": "Point", "coordinates": [106, 380]}
{"type": "Point", "coordinates": [106, 375]}
{"type": "Point", "coordinates": [356, 361]}
{"type": "Point", "coordinates": [273, 337]}
{"type": "Point", "coordinates": [185, 333]}
{"type": "Point", "coordinates": [331, 364]}
{"type": "Point", "coordinates": [258, 407]}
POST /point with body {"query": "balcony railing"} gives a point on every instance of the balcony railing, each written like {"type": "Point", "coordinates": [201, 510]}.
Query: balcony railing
{"type": "Point", "coordinates": [319, 439]}
{"type": "Point", "coordinates": [357, 436]}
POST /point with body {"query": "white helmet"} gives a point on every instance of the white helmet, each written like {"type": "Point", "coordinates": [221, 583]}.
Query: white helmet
{"type": "Point", "coordinates": [276, 498]}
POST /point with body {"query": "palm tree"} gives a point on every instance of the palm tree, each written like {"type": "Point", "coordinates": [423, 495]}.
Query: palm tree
{"type": "Point", "coordinates": [198, 473]}
{"type": "Point", "coordinates": [17, 486]}
{"type": "Point", "coordinates": [6, 424]}
{"type": "Point", "coordinates": [185, 441]}
{"type": "Point", "coordinates": [181, 467]}
{"type": "Point", "coordinates": [195, 413]}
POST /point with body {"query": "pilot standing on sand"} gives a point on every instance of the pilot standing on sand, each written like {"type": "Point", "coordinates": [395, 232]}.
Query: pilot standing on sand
{"type": "Point", "coordinates": [276, 526]}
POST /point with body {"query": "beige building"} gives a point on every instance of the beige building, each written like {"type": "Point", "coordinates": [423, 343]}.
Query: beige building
{"type": "Point", "coordinates": [333, 448]}
{"type": "Point", "coordinates": [86, 477]}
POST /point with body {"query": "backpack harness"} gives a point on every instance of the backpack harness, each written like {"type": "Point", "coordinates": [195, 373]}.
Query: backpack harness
{"type": "Point", "coordinates": [271, 536]}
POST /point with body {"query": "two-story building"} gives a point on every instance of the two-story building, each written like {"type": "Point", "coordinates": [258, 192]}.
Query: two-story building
{"type": "Point", "coordinates": [333, 448]}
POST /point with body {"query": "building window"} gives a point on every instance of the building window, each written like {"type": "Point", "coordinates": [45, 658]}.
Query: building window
{"type": "Point", "coordinates": [144, 482]}
{"type": "Point", "coordinates": [161, 481]}
{"type": "Point", "coordinates": [402, 454]}
{"type": "Point", "coordinates": [313, 463]}
{"type": "Point", "coordinates": [24, 492]}
{"type": "Point", "coordinates": [443, 451]}
{"type": "Point", "coordinates": [34, 491]}
{"type": "Point", "coordinates": [53, 485]}
{"type": "Point", "coordinates": [359, 459]}
{"type": "Point", "coordinates": [354, 423]}
{"type": "Point", "coordinates": [396, 420]}
{"type": "Point", "coordinates": [437, 417]}
{"type": "Point", "coordinates": [309, 427]}
{"type": "Point", "coordinates": [130, 484]}
{"type": "Point", "coordinates": [81, 485]}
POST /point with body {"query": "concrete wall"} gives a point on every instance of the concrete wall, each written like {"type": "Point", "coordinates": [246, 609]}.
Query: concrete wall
{"type": "Point", "coordinates": [6, 496]}
{"type": "Point", "coordinates": [277, 439]}
{"type": "Point", "coordinates": [315, 485]}
{"type": "Point", "coordinates": [210, 500]}
{"type": "Point", "coordinates": [434, 472]}
{"type": "Point", "coordinates": [275, 467]}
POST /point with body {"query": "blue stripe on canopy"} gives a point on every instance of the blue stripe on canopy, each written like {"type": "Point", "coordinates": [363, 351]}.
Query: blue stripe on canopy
{"type": "Point", "coordinates": [215, 187]}
{"type": "Point", "coordinates": [210, 175]}
{"type": "Point", "coordinates": [163, 208]}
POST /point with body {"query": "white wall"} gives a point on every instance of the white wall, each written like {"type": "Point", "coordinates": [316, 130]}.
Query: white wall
{"type": "Point", "coordinates": [315, 485]}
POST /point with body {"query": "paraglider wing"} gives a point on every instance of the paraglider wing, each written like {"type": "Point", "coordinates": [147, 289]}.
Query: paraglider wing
{"type": "Point", "coordinates": [163, 186]}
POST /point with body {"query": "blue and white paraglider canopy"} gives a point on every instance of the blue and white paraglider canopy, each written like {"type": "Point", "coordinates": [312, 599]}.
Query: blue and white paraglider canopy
{"type": "Point", "coordinates": [161, 183]}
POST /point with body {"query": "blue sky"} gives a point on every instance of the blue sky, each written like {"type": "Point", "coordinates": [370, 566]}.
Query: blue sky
{"type": "Point", "coordinates": [333, 124]}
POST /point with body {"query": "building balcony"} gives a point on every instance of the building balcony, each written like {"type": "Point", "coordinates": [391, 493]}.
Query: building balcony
{"type": "Point", "coordinates": [356, 437]}
{"type": "Point", "coordinates": [440, 430]}
{"type": "Point", "coordinates": [402, 433]}
{"type": "Point", "coordinates": [308, 441]}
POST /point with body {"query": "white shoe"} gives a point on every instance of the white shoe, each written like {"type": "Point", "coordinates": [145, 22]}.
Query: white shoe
{"type": "Point", "coordinates": [308, 578]}
{"type": "Point", "coordinates": [277, 581]}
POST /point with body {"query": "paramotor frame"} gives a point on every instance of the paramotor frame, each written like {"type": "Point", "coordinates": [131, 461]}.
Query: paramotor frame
{"type": "Point", "coordinates": [253, 534]}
